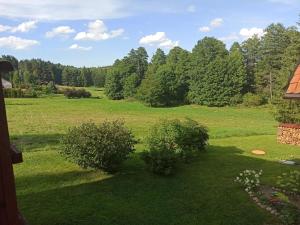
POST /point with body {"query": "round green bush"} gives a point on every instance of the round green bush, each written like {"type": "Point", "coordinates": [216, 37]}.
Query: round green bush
{"type": "Point", "coordinates": [77, 93]}
{"type": "Point", "coordinates": [170, 140]}
{"type": "Point", "coordinates": [103, 146]}
{"type": "Point", "coordinates": [162, 162]}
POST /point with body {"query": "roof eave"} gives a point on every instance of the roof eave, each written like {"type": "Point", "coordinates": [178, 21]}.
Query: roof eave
{"type": "Point", "coordinates": [292, 96]}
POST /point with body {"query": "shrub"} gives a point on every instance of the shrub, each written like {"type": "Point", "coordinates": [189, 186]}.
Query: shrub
{"type": "Point", "coordinates": [249, 179]}
{"type": "Point", "coordinates": [172, 139]}
{"type": "Point", "coordinates": [50, 88]}
{"type": "Point", "coordinates": [287, 111]}
{"type": "Point", "coordinates": [162, 162]}
{"type": "Point", "coordinates": [235, 100]}
{"type": "Point", "coordinates": [104, 146]}
{"type": "Point", "coordinates": [290, 181]}
{"type": "Point", "coordinates": [19, 93]}
{"type": "Point", "coordinates": [181, 137]}
{"type": "Point", "coordinates": [13, 93]}
{"type": "Point", "coordinates": [251, 100]}
{"type": "Point", "coordinates": [30, 93]}
{"type": "Point", "coordinates": [77, 93]}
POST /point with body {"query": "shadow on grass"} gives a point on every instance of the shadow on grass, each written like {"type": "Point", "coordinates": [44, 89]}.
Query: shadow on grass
{"type": "Point", "coordinates": [202, 192]}
{"type": "Point", "coordinates": [34, 142]}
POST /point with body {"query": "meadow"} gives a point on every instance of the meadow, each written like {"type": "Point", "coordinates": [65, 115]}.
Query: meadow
{"type": "Point", "coordinates": [52, 191]}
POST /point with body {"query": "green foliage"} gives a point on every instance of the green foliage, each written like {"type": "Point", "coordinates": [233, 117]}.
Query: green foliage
{"type": "Point", "coordinates": [161, 162]}
{"type": "Point", "coordinates": [113, 85]}
{"type": "Point", "coordinates": [13, 93]}
{"type": "Point", "coordinates": [290, 215]}
{"type": "Point", "coordinates": [252, 100]}
{"type": "Point", "coordinates": [39, 72]}
{"type": "Point", "coordinates": [104, 146]}
{"type": "Point", "coordinates": [290, 181]}
{"type": "Point", "coordinates": [166, 84]}
{"type": "Point", "coordinates": [76, 93]}
{"type": "Point", "coordinates": [287, 111]}
{"type": "Point", "coordinates": [127, 74]}
{"type": "Point", "coordinates": [20, 93]}
{"type": "Point", "coordinates": [170, 139]}
{"type": "Point", "coordinates": [252, 55]}
{"type": "Point", "coordinates": [51, 88]}
{"type": "Point", "coordinates": [273, 45]}
{"type": "Point", "coordinates": [130, 85]}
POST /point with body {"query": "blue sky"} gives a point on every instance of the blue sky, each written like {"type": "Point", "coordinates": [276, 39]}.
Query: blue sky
{"type": "Point", "coordinates": [95, 33]}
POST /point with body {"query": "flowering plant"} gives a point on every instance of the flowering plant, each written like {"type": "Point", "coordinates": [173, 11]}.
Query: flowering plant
{"type": "Point", "coordinates": [249, 179]}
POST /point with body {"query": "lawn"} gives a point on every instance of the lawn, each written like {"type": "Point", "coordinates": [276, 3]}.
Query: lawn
{"type": "Point", "coordinates": [52, 191]}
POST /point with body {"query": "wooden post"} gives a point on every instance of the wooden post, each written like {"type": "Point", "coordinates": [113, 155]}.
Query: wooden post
{"type": "Point", "coordinates": [9, 214]}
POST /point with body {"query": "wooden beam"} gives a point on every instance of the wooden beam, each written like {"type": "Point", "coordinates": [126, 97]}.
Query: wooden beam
{"type": "Point", "coordinates": [8, 206]}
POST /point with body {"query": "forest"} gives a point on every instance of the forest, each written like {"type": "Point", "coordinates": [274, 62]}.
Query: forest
{"type": "Point", "coordinates": [210, 74]}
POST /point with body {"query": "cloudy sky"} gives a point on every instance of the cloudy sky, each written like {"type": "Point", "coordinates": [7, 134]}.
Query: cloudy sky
{"type": "Point", "coordinates": [96, 32]}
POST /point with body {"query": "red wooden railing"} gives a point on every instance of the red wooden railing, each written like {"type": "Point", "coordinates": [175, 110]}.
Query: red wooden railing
{"type": "Point", "coordinates": [9, 214]}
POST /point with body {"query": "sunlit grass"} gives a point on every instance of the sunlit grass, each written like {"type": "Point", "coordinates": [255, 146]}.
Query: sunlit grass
{"type": "Point", "coordinates": [54, 191]}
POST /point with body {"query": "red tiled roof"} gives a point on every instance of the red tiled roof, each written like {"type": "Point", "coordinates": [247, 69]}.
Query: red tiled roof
{"type": "Point", "coordinates": [294, 86]}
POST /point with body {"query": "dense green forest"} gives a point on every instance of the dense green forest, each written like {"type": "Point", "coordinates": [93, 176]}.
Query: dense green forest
{"type": "Point", "coordinates": [39, 72]}
{"type": "Point", "coordinates": [209, 75]}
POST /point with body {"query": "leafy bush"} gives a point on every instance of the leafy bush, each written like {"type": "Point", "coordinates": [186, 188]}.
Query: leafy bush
{"type": "Point", "coordinates": [162, 162]}
{"type": "Point", "coordinates": [290, 181]}
{"type": "Point", "coordinates": [50, 88]}
{"type": "Point", "coordinates": [171, 139]}
{"type": "Point", "coordinates": [235, 100]}
{"type": "Point", "coordinates": [19, 93]}
{"type": "Point", "coordinates": [13, 93]}
{"type": "Point", "coordinates": [251, 100]}
{"type": "Point", "coordinates": [77, 93]}
{"type": "Point", "coordinates": [287, 111]}
{"type": "Point", "coordinates": [249, 179]}
{"type": "Point", "coordinates": [104, 146]}
{"type": "Point", "coordinates": [30, 93]}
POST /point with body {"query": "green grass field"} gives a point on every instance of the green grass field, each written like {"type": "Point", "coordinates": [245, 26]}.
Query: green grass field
{"type": "Point", "coordinates": [52, 191]}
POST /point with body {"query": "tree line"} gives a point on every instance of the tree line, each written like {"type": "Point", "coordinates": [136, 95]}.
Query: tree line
{"type": "Point", "coordinates": [209, 74]}
{"type": "Point", "coordinates": [39, 72]}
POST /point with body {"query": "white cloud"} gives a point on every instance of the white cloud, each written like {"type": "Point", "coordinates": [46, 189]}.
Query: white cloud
{"type": "Point", "coordinates": [216, 22]}
{"type": "Point", "coordinates": [24, 27]}
{"type": "Point", "coordinates": [204, 29]}
{"type": "Point", "coordinates": [78, 47]}
{"type": "Point", "coordinates": [97, 31]}
{"type": "Point", "coordinates": [191, 8]}
{"type": "Point", "coordinates": [4, 28]}
{"type": "Point", "coordinates": [63, 31]}
{"type": "Point", "coordinates": [65, 9]}
{"type": "Point", "coordinates": [159, 39]}
{"type": "Point", "coordinates": [16, 43]}
{"type": "Point", "coordinates": [250, 32]}
{"type": "Point", "coordinates": [85, 10]}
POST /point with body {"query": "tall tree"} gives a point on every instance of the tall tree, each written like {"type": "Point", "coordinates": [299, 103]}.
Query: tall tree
{"type": "Point", "coordinates": [236, 77]}
{"type": "Point", "coordinates": [203, 56]}
{"type": "Point", "coordinates": [274, 43]}
{"type": "Point", "coordinates": [251, 49]}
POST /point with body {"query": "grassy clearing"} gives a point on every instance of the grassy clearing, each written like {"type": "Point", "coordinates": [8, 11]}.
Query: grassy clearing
{"type": "Point", "coordinates": [53, 191]}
